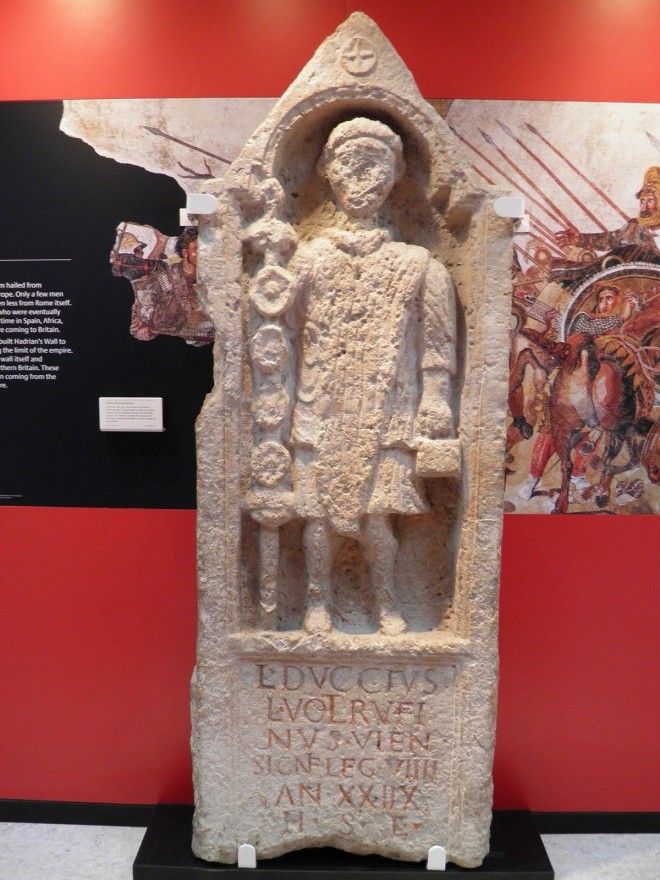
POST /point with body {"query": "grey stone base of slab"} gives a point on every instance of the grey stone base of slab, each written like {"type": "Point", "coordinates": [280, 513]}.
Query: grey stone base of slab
{"type": "Point", "coordinates": [516, 853]}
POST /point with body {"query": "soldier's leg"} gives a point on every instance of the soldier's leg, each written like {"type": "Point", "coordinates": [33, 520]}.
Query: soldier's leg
{"type": "Point", "coordinates": [318, 545]}
{"type": "Point", "coordinates": [381, 547]}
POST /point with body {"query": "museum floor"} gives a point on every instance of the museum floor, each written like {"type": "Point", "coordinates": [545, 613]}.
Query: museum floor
{"type": "Point", "coordinates": [84, 852]}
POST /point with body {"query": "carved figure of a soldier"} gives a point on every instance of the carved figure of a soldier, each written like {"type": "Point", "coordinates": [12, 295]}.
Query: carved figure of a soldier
{"type": "Point", "coordinates": [375, 363]}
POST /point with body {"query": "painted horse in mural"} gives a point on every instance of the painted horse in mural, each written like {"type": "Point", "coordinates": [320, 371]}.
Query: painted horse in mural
{"type": "Point", "coordinates": [650, 454]}
{"type": "Point", "coordinates": [605, 382]}
{"type": "Point", "coordinates": [594, 388]}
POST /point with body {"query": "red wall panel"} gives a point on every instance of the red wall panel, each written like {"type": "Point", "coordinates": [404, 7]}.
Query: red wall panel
{"type": "Point", "coordinates": [596, 50]}
{"type": "Point", "coordinates": [578, 704]}
{"type": "Point", "coordinates": [98, 605]}
{"type": "Point", "coordinates": [98, 611]}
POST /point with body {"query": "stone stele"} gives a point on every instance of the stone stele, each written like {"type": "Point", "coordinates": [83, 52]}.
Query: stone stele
{"type": "Point", "coordinates": [350, 476]}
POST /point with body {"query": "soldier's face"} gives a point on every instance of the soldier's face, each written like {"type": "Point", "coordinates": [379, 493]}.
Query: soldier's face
{"type": "Point", "coordinates": [648, 204]}
{"type": "Point", "coordinates": [191, 252]}
{"type": "Point", "coordinates": [362, 174]}
{"type": "Point", "coordinates": [607, 301]}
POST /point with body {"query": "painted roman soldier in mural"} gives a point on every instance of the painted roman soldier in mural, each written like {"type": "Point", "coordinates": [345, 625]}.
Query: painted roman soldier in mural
{"type": "Point", "coordinates": [163, 274]}
{"type": "Point", "coordinates": [641, 234]}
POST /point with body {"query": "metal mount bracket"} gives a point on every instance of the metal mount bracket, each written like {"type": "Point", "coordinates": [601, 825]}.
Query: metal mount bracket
{"type": "Point", "coordinates": [437, 859]}
{"type": "Point", "coordinates": [196, 203]}
{"type": "Point", "coordinates": [247, 856]}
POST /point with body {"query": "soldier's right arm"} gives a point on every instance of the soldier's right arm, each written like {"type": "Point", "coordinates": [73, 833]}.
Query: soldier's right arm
{"type": "Point", "coordinates": [599, 241]}
{"type": "Point", "coordinates": [300, 265]}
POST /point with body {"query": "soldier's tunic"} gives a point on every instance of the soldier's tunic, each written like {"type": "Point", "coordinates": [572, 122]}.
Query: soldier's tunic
{"type": "Point", "coordinates": [375, 314]}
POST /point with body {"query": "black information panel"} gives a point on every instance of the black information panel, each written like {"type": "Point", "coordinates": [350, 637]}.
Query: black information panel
{"type": "Point", "coordinates": [64, 328]}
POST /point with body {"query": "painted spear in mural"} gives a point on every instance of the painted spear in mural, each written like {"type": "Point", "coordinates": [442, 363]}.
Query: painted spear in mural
{"type": "Point", "coordinates": [551, 174]}
{"type": "Point", "coordinates": [528, 180]}
{"type": "Point", "coordinates": [579, 173]}
{"type": "Point", "coordinates": [654, 140]}
{"type": "Point", "coordinates": [545, 235]}
{"type": "Point", "coordinates": [506, 177]}
{"type": "Point", "coordinates": [160, 133]}
{"type": "Point", "coordinates": [482, 174]}
{"type": "Point", "coordinates": [550, 245]}
{"type": "Point", "coordinates": [530, 258]}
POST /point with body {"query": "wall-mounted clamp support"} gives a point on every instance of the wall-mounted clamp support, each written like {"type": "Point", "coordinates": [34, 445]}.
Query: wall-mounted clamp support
{"type": "Point", "coordinates": [196, 203]}
{"type": "Point", "coordinates": [513, 206]}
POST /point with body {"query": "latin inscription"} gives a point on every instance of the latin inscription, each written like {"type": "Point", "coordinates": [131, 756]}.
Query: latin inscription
{"type": "Point", "coordinates": [346, 741]}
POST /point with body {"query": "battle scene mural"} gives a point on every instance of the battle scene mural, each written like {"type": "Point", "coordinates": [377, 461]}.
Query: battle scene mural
{"type": "Point", "coordinates": [583, 433]}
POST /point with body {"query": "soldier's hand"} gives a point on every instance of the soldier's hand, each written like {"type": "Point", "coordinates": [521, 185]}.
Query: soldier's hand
{"type": "Point", "coordinates": [566, 237]}
{"type": "Point", "coordinates": [630, 305]}
{"type": "Point", "coordinates": [434, 419]}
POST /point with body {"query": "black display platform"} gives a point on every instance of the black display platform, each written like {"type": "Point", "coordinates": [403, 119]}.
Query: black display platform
{"type": "Point", "coordinates": [517, 853]}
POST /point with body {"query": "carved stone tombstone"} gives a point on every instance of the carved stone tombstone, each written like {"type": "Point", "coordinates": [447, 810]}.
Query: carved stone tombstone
{"type": "Point", "coordinates": [350, 487]}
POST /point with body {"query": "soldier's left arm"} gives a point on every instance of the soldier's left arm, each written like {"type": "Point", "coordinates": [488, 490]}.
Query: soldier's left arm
{"type": "Point", "coordinates": [437, 352]}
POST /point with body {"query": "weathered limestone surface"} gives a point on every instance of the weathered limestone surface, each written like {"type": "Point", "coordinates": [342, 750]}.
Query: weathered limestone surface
{"type": "Point", "coordinates": [350, 489]}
